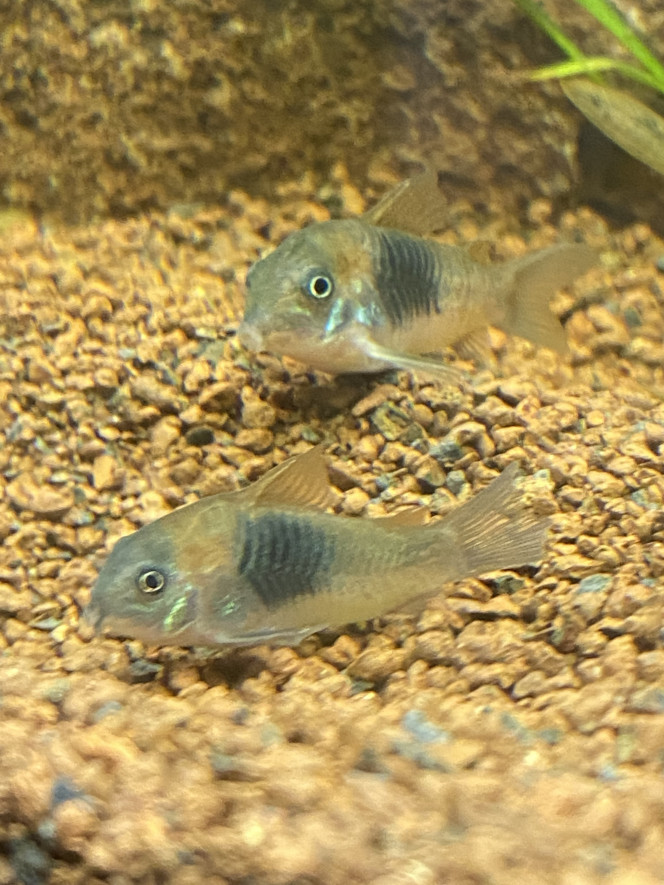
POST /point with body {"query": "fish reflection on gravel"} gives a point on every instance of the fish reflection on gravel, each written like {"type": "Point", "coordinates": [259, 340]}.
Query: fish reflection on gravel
{"type": "Point", "coordinates": [266, 564]}
{"type": "Point", "coordinates": [369, 293]}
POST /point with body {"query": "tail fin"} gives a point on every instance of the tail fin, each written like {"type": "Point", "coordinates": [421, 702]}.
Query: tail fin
{"type": "Point", "coordinates": [536, 278]}
{"type": "Point", "coordinates": [494, 530]}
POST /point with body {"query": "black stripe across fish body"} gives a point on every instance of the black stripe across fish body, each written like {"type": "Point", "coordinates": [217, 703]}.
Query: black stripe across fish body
{"type": "Point", "coordinates": [407, 276]}
{"type": "Point", "coordinates": [284, 556]}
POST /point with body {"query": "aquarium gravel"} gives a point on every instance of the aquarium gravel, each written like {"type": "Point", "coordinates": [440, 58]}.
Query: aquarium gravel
{"type": "Point", "coordinates": [511, 730]}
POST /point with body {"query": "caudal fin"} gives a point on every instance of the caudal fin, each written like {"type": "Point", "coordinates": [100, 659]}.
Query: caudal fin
{"type": "Point", "coordinates": [536, 278]}
{"type": "Point", "coordinates": [495, 530]}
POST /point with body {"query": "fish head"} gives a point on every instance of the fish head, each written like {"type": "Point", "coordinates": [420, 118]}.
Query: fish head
{"type": "Point", "coordinates": [314, 299]}
{"type": "Point", "coordinates": [157, 583]}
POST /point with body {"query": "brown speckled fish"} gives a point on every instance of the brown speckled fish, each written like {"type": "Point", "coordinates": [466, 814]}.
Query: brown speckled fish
{"type": "Point", "coordinates": [266, 564]}
{"type": "Point", "coordinates": [368, 294]}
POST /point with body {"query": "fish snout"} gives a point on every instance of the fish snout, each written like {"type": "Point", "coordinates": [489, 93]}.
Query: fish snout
{"type": "Point", "coordinates": [250, 338]}
{"type": "Point", "coordinates": [92, 615]}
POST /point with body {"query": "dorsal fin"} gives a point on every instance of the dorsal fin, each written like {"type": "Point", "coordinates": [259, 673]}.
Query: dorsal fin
{"type": "Point", "coordinates": [301, 481]}
{"type": "Point", "coordinates": [415, 206]}
{"type": "Point", "coordinates": [412, 516]}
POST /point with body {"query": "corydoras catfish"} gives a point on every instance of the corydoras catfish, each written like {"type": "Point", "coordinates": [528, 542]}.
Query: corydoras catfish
{"type": "Point", "coordinates": [370, 293]}
{"type": "Point", "coordinates": [268, 565]}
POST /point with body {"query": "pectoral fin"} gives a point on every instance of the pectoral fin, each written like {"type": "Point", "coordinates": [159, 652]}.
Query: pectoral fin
{"type": "Point", "coordinates": [415, 206]}
{"type": "Point", "coordinates": [411, 363]}
{"type": "Point", "coordinates": [270, 636]}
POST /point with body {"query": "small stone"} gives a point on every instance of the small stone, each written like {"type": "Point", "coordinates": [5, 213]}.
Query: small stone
{"type": "Point", "coordinates": [391, 421]}
{"type": "Point", "coordinates": [75, 822]}
{"type": "Point", "coordinates": [40, 498]}
{"type": "Point", "coordinates": [381, 394]}
{"type": "Point", "coordinates": [164, 433]}
{"type": "Point", "coordinates": [573, 565]}
{"type": "Point", "coordinates": [590, 642]}
{"type": "Point", "coordinates": [654, 435]}
{"type": "Point", "coordinates": [106, 473]}
{"type": "Point", "coordinates": [95, 305]}
{"type": "Point", "coordinates": [514, 390]}
{"type": "Point", "coordinates": [255, 412]}
{"type": "Point", "coordinates": [258, 440]}
{"type": "Point", "coordinates": [185, 472]}
{"type": "Point", "coordinates": [13, 601]}
{"type": "Point", "coordinates": [342, 653]}
{"type": "Point", "coordinates": [434, 646]}
{"type": "Point", "coordinates": [182, 675]}
{"type": "Point", "coordinates": [430, 475]}
{"type": "Point", "coordinates": [447, 452]}
{"type": "Point", "coordinates": [375, 664]}
{"type": "Point", "coordinates": [456, 482]}
{"type": "Point", "coordinates": [647, 700]}
{"type": "Point", "coordinates": [106, 379]}
{"type": "Point", "coordinates": [219, 397]}
{"type": "Point", "coordinates": [40, 371]}
{"type": "Point", "coordinates": [153, 392]}
{"type": "Point", "coordinates": [199, 374]}
{"type": "Point", "coordinates": [344, 475]}
{"type": "Point", "coordinates": [639, 447]}
{"type": "Point", "coordinates": [202, 435]}
{"type": "Point", "coordinates": [507, 438]}
{"type": "Point", "coordinates": [355, 502]}
{"type": "Point", "coordinates": [368, 448]}
{"type": "Point", "coordinates": [595, 418]}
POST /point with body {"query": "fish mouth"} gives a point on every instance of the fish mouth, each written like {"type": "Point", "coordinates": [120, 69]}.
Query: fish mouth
{"type": "Point", "coordinates": [101, 623]}
{"type": "Point", "coordinates": [120, 628]}
{"type": "Point", "coordinates": [250, 337]}
{"type": "Point", "coordinates": [93, 616]}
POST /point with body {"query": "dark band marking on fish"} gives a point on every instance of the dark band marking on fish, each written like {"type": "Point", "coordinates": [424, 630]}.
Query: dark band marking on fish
{"type": "Point", "coordinates": [407, 276]}
{"type": "Point", "coordinates": [284, 556]}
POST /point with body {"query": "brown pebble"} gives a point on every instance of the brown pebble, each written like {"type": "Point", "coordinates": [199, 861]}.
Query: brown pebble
{"type": "Point", "coordinates": [376, 664]}
{"type": "Point", "coordinates": [344, 651]}
{"type": "Point", "coordinates": [258, 439]}
{"type": "Point", "coordinates": [355, 502]}
{"type": "Point", "coordinates": [43, 499]}
{"type": "Point", "coordinates": [255, 412]}
{"type": "Point", "coordinates": [181, 676]}
{"type": "Point", "coordinates": [153, 392]}
{"type": "Point", "coordinates": [514, 390]}
{"type": "Point", "coordinates": [164, 433]}
{"type": "Point", "coordinates": [106, 473]}
{"type": "Point", "coordinates": [377, 397]}
{"type": "Point", "coordinates": [75, 822]}
{"type": "Point", "coordinates": [434, 646]}
{"type": "Point", "coordinates": [13, 601]}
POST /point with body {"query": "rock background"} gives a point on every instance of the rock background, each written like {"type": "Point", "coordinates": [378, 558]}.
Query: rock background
{"type": "Point", "coordinates": [116, 108]}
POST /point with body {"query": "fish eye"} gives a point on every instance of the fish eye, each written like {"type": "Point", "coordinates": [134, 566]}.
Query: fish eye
{"type": "Point", "coordinates": [151, 582]}
{"type": "Point", "coordinates": [319, 286]}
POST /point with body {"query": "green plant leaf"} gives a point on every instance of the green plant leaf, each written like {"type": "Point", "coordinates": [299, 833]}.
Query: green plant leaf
{"type": "Point", "coordinates": [593, 65]}
{"type": "Point", "coordinates": [541, 18]}
{"type": "Point", "coordinates": [608, 16]}
{"type": "Point", "coordinates": [624, 119]}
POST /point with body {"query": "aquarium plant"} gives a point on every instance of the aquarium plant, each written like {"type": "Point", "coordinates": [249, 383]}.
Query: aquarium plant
{"type": "Point", "coordinates": [621, 116]}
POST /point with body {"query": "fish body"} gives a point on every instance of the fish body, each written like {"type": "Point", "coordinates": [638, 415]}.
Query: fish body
{"type": "Point", "coordinates": [267, 564]}
{"type": "Point", "coordinates": [359, 296]}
